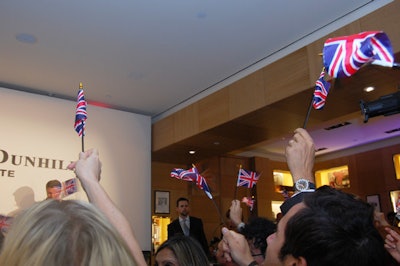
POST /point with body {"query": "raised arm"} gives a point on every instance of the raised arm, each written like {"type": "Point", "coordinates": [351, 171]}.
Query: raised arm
{"type": "Point", "coordinates": [300, 154]}
{"type": "Point", "coordinates": [236, 213]}
{"type": "Point", "coordinates": [88, 170]}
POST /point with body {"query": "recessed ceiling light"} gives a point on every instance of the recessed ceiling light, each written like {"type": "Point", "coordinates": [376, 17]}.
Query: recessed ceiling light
{"type": "Point", "coordinates": [369, 89]}
{"type": "Point", "coordinates": [26, 38]}
{"type": "Point", "coordinates": [192, 152]}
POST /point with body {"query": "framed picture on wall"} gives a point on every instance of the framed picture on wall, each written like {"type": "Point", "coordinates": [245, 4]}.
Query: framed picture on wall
{"type": "Point", "coordinates": [395, 199]}
{"type": "Point", "coordinates": [374, 201]}
{"type": "Point", "coordinates": [161, 202]}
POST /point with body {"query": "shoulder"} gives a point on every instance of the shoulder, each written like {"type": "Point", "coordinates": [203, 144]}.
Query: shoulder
{"type": "Point", "coordinates": [174, 222]}
{"type": "Point", "coordinates": [195, 219]}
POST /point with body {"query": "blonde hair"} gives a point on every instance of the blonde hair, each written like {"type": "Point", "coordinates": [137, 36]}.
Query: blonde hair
{"type": "Point", "coordinates": [61, 233]}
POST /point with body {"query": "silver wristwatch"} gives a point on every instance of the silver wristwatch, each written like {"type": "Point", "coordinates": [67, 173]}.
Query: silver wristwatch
{"type": "Point", "coordinates": [303, 185]}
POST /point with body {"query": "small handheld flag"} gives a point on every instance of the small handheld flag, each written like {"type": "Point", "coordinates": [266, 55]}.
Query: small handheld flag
{"type": "Point", "coordinates": [344, 56]}
{"type": "Point", "coordinates": [321, 91]}
{"type": "Point", "coordinates": [70, 186]}
{"type": "Point", "coordinates": [249, 202]}
{"type": "Point", "coordinates": [5, 223]}
{"type": "Point", "coordinates": [192, 175]}
{"type": "Point", "coordinates": [187, 175]}
{"type": "Point", "coordinates": [247, 178]}
{"type": "Point", "coordinates": [81, 114]}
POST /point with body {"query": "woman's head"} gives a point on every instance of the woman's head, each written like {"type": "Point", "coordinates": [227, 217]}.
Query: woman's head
{"type": "Point", "coordinates": [180, 251]}
{"type": "Point", "coordinates": [63, 233]}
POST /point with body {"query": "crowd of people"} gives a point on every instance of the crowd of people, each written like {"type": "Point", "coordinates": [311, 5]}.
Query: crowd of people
{"type": "Point", "coordinates": [323, 226]}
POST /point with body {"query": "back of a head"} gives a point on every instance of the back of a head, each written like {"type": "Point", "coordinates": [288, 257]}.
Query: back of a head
{"type": "Point", "coordinates": [69, 232]}
{"type": "Point", "coordinates": [258, 229]}
{"type": "Point", "coordinates": [186, 249]}
{"type": "Point", "coordinates": [334, 228]}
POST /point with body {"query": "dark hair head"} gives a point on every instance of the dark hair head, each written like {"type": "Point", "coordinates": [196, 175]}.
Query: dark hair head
{"type": "Point", "coordinates": [334, 228]}
{"type": "Point", "coordinates": [181, 199]}
{"type": "Point", "coordinates": [53, 183]}
{"type": "Point", "coordinates": [186, 249]}
{"type": "Point", "coordinates": [258, 229]}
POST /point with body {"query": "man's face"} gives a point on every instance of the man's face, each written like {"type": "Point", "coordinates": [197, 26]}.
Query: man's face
{"type": "Point", "coordinates": [53, 192]}
{"type": "Point", "coordinates": [276, 240]}
{"type": "Point", "coordinates": [183, 208]}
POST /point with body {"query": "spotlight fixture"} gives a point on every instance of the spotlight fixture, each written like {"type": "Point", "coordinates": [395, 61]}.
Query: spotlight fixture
{"type": "Point", "coordinates": [385, 105]}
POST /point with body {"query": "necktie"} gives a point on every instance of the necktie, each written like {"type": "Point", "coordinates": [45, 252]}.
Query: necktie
{"type": "Point", "coordinates": [185, 228]}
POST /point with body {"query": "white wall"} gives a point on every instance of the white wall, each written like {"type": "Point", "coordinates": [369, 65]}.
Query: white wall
{"type": "Point", "coordinates": [42, 127]}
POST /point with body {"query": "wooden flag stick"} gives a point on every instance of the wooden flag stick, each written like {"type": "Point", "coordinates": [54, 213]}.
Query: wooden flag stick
{"type": "Point", "coordinates": [236, 187]}
{"type": "Point", "coordinates": [83, 134]}
{"type": "Point", "coordinates": [308, 112]}
{"type": "Point", "coordinates": [219, 212]}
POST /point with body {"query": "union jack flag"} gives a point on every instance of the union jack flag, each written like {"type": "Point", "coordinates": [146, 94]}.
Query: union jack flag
{"type": "Point", "coordinates": [321, 91]}
{"type": "Point", "coordinates": [187, 175]}
{"type": "Point", "coordinates": [5, 223]}
{"type": "Point", "coordinates": [192, 175]}
{"type": "Point", "coordinates": [81, 114]}
{"type": "Point", "coordinates": [248, 202]}
{"type": "Point", "coordinates": [247, 178]}
{"type": "Point", "coordinates": [70, 186]}
{"type": "Point", "coordinates": [343, 56]}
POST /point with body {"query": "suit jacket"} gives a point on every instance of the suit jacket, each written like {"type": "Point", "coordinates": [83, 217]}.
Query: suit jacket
{"type": "Point", "coordinates": [196, 231]}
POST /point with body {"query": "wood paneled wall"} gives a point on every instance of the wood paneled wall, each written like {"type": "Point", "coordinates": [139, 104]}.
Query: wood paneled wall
{"type": "Point", "coordinates": [281, 79]}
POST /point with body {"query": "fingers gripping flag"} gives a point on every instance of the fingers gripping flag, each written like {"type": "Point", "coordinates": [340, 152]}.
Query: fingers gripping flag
{"type": "Point", "coordinates": [321, 91]}
{"type": "Point", "coordinates": [81, 114]}
{"type": "Point", "coordinates": [344, 56]}
{"type": "Point", "coordinates": [192, 175]}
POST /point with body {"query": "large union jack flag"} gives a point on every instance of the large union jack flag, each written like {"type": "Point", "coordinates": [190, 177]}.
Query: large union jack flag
{"type": "Point", "coordinates": [343, 56]}
{"type": "Point", "coordinates": [81, 114]}
{"type": "Point", "coordinates": [247, 178]}
{"type": "Point", "coordinates": [321, 91]}
{"type": "Point", "coordinates": [192, 175]}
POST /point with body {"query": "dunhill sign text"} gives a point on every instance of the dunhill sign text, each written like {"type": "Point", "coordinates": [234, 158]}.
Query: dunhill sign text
{"type": "Point", "coordinates": [28, 161]}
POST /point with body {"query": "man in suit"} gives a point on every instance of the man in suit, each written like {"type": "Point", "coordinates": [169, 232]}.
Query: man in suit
{"type": "Point", "coordinates": [188, 225]}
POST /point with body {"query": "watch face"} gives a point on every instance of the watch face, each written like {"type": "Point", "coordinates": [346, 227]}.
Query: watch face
{"type": "Point", "coordinates": [301, 184]}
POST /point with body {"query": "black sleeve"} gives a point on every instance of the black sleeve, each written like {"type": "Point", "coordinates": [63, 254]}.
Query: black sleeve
{"type": "Point", "coordinates": [289, 203]}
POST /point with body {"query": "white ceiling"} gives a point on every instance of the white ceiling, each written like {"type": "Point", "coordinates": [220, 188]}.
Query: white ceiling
{"type": "Point", "coordinates": [154, 57]}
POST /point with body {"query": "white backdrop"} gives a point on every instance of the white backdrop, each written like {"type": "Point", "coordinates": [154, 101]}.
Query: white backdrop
{"type": "Point", "coordinates": [41, 127]}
